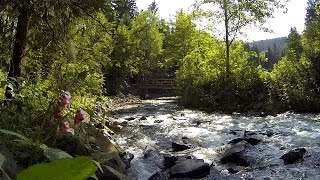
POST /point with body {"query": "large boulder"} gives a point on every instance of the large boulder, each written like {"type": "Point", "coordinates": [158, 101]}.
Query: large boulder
{"type": "Point", "coordinates": [293, 156]}
{"type": "Point", "coordinates": [161, 175]}
{"type": "Point", "coordinates": [190, 168]}
{"type": "Point", "coordinates": [237, 155]}
{"type": "Point", "coordinates": [10, 165]}
{"type": "Point", "coordinates": [127, 158]}
{"type": "Point", "coordinates": [169, 161]}
{"type": "Point", "coordinates": [112, 160]}
{"type": "Point", "coordinates": [111, 174]}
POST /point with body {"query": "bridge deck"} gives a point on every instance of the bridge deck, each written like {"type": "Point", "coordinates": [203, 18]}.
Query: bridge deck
{"type": "Point", "coordinates": [156, 84]}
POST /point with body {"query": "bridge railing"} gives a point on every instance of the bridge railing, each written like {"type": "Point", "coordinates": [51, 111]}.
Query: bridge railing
{"type": "Point", "coordinates": [156, 84]}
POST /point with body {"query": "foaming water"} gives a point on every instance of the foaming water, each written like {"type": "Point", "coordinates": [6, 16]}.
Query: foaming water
{"type": "Point", "coordinates": [209, 134]}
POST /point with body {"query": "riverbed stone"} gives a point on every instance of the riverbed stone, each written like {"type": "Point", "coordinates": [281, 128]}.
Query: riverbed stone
{"type": "Point", "coordinates": [130, 118]}
{"type": "Point", "coordinates": [252, 141]}
{"type": "Point", "coordinates": [293, 156]}
{"type": "Point", "coordinates": [158, 121]}
{"type": "Point", "coordinates": [110, 173]}
{"type": "Point", "coordinates": [127, 158]}
{"type": "Point", "coordinates": [214, 174]}
{"type": "Point", "coordinates": [176, 147]}
{"type": "Point", "coordinates": [161, 175]}
{"type": "Point", "coordinates": [190, 168]}
{"type": "Point", "coordinates": [143, 118]}
{"type": "Point", "coordinates": [169, 161]}
{"type": "Point", "coordinates": [237, 155]}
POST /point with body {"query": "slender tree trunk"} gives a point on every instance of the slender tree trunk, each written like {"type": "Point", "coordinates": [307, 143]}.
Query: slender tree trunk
{"type": "Point", "coordinates": [227, 41]}
{"type": "Point", "coordinates": [19, 47]}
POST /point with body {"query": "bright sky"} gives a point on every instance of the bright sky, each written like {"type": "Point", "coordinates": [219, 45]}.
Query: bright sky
{"type": "Point", "coordinates": [280, 24]}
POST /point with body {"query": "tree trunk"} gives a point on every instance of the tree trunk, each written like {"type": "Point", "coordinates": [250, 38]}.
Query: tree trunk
{"type": "Point", "coordinates": [19, 47]}
{"type": "Point", "coordinates": [227, 41]}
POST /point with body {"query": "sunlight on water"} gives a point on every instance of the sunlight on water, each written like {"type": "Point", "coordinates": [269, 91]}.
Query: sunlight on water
{"type": "Point", "coordinates": [209, 135]}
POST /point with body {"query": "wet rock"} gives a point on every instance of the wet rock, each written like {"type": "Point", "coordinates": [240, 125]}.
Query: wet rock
{"type": "Point", "coordinates": [232, 171]}
{"type": "Point", "coordinates": [127, 158]}
{"type": "Point", "coordinates": [169, 161]}
{"type": "Point", "coordinates": [176, 147]}
{"type": "Point", "coordinates": [237, 155]}
{"type": "Point", "coordinates": [146, 126]}
{"type": "Point", "coordinates": [10, 165]}
{"type": "Point", "coordinates": [252, 141]}
{"type": "Point", "coordinates": [249, 133]}
{"type": "Point", "coordinates": [160, 176]}
{"type": "Point", "coordinates": [130, 118]}
{"type": "Point", "coordinates": [214, 174]}
{"type": "Point", "coordinates": [158, 121]}
{"type": "Point", "coordinates": [268, 133]}
{"type": "Point", "coordinates": [148, 152]}
{"type": "Point", "coordinates": [143, 118]}
{"type": "Point", "coordinates": [112, 160]}
{"type": "Point", "coordinates": [190, 168]}
{"type": "Point", "coordinates": [73, 146]}
{"type": "Point", "coordinates": [232, 177]}
{"type": "Point", "coordinates": [293, 156]}
{"type": "Point", "coordinates": [233, 132]}
{"type": "Point", "coordinates": [110, 173]}
{"type": "Point", "coordinates": [124, 123]}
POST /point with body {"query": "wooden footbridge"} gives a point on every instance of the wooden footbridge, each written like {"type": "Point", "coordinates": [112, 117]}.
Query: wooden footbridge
{"type": "Point", "coordinates": [161, 84]}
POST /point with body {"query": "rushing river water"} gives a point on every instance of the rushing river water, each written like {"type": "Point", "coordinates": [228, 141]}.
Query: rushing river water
{"type": "Point", "coordinates": [151, 127]}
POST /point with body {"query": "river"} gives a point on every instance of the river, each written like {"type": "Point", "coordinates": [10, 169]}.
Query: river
{"type": "Point", "coordinates": [152, 125]}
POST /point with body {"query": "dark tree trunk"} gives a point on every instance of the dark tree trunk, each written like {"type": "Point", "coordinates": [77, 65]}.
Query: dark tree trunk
{"type": "Point", "coordinates": [18, 49]}
{"type": "Point", "coordinates": [19, 45]}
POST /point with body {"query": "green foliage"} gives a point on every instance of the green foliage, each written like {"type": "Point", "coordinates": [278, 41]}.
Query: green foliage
{"type": "Point", "coordinates": [74, 169]}
{"type": "Point", "coordinates": [294, 45]}
{"type": "Point", "coordinates": [201, 77]}
{"type": "Point", "coordinates": [180, 40]}
{"type": "Point", "coordinates": [236, 15]}
{"type": "Point", "coordinates": [147, 41]}
{"type": "Point", "coordinates": [3, 84]}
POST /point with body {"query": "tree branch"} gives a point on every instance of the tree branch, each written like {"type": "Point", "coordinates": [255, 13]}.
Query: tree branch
{"type": "Point", "coordinates": [92, 17]}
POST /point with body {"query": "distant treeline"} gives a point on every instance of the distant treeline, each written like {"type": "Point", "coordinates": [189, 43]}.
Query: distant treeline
{"type": "Point", "coordinates": [269, 51]}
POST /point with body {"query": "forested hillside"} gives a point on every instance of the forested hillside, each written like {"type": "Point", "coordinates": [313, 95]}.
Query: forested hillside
{"type": "Point", "coordinates": [270, 51]}
{"type": "Point", "coordinates": [263, 45]}
{"type": "Point", "coordinates": [60, 60]}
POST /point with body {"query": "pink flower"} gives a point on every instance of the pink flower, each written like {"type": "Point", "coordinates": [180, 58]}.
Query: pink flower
{"type": "Point", "coordinates": [81, 117]}
{"type": "Point", "coordinates": [65, 99]}
{"type": "Point", "coordinates": [65, 129]}
{"type": "Point", "coordinates": [57, 114]}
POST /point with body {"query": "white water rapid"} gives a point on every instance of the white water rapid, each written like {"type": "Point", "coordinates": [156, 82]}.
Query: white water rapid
{"type": "Point", "coordinates": [151, 126]}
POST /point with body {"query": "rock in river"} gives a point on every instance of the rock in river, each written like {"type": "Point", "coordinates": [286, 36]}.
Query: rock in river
{"type": "Point", "coordinates": [293, 155]}
{"type": "Point", "coordinates": [169, 161]}
{"type": "Point", "coordinates": [252, 141]}
{"type": "Point", "coordinates": [237, 155]}
{"type": "Point", "coordinates": [190, 168]}
{"type": "Point", "coordinates": [176, 147]}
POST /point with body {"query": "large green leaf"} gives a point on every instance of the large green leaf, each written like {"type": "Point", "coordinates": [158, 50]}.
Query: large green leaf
{"type": "Point", "coordinates": [15, 134]}
{"type": "Point", "coordinates": [54, 154]}
{"type": "Point", "coordinates": [64, 169]}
